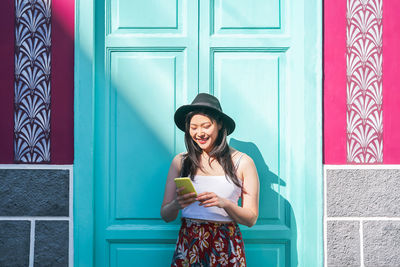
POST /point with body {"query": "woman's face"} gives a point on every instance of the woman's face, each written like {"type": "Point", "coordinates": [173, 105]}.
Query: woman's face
{"type": "Point", "coordinates": [204, 131]}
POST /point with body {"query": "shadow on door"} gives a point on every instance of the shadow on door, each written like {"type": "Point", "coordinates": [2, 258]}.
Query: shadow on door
{"type": "Point", "coordinates": [274, 210]}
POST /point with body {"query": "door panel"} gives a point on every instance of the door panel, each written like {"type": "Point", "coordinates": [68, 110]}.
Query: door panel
{"type": "Point", "coordinates": [250, 84]}
{"type": "Point", "coordinates": [139, 106]}
{"type": "Point", "coordinates": [240, 16]}
{"type": "Point", "coordinates": [123, 255]}
{"type": "Point", "coordinates": [154, 56]}
{"type": "Point", "coordinates": [266, 254]}
{"type": "Point", "coordinates": [249, 81]}
{"type": "Point", "coordinates": [147, 17]}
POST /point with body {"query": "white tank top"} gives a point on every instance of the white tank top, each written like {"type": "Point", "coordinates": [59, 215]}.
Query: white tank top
{"type": "Point", "coordinates": [221, 186]}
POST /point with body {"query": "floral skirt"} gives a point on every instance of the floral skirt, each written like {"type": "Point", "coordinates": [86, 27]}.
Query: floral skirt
{"type": "Point", "coordinates": [209, 244]}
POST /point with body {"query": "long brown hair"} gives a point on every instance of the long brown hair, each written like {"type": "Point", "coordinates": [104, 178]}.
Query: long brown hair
{"type": "Point", "coordinates": [221, 151]}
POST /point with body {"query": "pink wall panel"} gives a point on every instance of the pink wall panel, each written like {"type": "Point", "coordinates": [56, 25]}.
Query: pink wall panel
{"type": "Point", "coordinates": [62, 77]}
{"type": "Point", "coordinates": [335, 82]}
{"type": "Point", "coordinates": [391, 82]}
{"type": "Point", "coordinates": [364, 111]}
{"type": "Point", "coordinates": [62, 82]}
{"type": "Point", "coordinates": [6, 81]}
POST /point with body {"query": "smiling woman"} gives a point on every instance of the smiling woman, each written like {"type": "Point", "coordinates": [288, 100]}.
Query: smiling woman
{"type": "Point", "coordinates": [209, 234]}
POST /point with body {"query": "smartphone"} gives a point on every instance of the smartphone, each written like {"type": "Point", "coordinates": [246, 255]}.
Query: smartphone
{"type": "Point", "coordinates": [185, 182]}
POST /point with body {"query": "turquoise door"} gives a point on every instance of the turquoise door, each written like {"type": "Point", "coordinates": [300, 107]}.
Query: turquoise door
{"type": "Point", "coordinates": [261, 58]}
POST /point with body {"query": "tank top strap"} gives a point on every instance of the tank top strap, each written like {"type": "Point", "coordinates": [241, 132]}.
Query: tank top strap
{"type": "Point", "coordinates": [238, 160]}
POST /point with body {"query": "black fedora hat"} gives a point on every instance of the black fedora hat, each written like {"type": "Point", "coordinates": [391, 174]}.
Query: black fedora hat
{"type": "Point", "coordinates": [203, 101]}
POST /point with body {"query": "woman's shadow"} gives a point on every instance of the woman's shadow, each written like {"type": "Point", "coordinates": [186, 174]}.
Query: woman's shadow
{"type": "Point", "coordinates": [274, 210]}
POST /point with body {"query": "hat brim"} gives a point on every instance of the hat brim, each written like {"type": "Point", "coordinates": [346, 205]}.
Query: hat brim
{"type": "Point", "coordinates": [180, 116]}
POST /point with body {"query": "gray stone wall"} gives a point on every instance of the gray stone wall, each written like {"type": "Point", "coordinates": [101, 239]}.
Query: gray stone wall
{"type": "Point", "coordinates": [35, 216]}
{"type": "Point", "coordinates": [362, 216]}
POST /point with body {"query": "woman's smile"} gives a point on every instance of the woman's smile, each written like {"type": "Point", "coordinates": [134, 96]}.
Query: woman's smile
{"type": "Point", "coordinates": [202, 140]}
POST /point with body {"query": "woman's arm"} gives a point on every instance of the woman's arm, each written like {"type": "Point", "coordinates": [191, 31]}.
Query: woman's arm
{"type": "Point", "coordinates": [248, 213]}
{"type": "Point", "coordinates": [172, 203]}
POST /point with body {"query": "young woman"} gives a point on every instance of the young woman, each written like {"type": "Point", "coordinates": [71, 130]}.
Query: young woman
{"type": "Point", "coordinates": [209, 235]}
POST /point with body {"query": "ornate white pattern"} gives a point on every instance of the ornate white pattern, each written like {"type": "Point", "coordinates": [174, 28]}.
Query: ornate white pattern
{"type": "Point", "coordinates": [32, 81]}
{"type": "Point", "coordinates": [364, 81]}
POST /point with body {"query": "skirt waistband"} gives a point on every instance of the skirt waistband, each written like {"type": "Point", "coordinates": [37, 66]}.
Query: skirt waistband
{"type": "Point", "coordinates": [200, 221]}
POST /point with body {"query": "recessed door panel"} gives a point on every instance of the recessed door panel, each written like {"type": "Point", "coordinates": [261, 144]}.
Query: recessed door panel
{"type": "Point", "coordinates": [146, 17]}
{"type": "Point", "coordinates": [123, 255]}
{"type": "Point", "coordinates": [248, 84]}
{"type": "Point", "coordinates": [244, 17]}
{"type": "Point", "coordinates": [267, 254]}
{"type": "Point", "coordinates": [141, 141]}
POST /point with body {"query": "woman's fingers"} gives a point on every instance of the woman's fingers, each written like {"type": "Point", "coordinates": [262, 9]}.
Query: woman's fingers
{"type": "Point", "coordinates": [210, 199]}
{"type": "Point", "coordinates": [207, 199]}
{"type": "Point", "coordinates": [179, 190]}
{"type": "Point", "coordinates": [189, 196]}
{"type": "Point", "coordinates": [186, 199]}
{"type": "Point", "coordinates": [205, 196]}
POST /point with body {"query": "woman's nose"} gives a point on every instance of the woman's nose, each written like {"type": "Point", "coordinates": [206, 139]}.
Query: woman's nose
{"type": "Point", "coordinates": [200, 132]}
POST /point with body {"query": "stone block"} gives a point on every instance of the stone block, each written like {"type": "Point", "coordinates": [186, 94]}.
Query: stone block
{"type": "Point", "coordinates": [51, 243]}
{"type": "Point", "coordinates": [381, 243]}
{"type": "Point", "coordinates": [36, 192]}
{"type": "Point", "coordinates": [363, 193]}
{"type": "Point", "coordinates": [343, 243]}
{"type": "Point", "coordinates": [14, 243]}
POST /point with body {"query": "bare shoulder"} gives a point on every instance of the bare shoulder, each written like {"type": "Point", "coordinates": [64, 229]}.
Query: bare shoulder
{"type": "Point", "coordinates": [245, 164]}
{"type": "Point", "coordinates": [235, 154]}
{"type": "Point", "coordinates": [175, 167]}
{"type": "Point", "coordinates": [178, 157]}
{"type": "Point", "coordinates": [247, 160]}
{"type": "Point", "coordinates": [177, 161]}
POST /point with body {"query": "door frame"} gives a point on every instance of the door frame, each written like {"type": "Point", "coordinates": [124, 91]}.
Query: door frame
{"type": "Point", "coordinates": [83, 195]}
{"type": "Point", "coordinates": [310, 239]}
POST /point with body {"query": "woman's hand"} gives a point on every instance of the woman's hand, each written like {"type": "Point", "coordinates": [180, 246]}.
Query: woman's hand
{"type": "Point", "coordinates": [210, 199]}
{"type": "Point", "coordinates": [184, 200]}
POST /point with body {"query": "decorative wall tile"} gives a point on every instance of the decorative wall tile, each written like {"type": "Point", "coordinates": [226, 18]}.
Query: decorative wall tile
{"type": "Point", "coordinates": [362, 193]}
{"type": "Point", "coordinates": [32, 81]}
{"type": "Point", "coordinates": [51, 243]}
{"type": "Point", "coordinates": [364, 81]}
{"type": "Point", "coordinates": [381, 243]}
{"type": "Point", "coordinates": [38, 192]}
{"type": "Point", "coordinates": [14, 243]}
{"type": "Point", "coordinates": [343, 243]}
